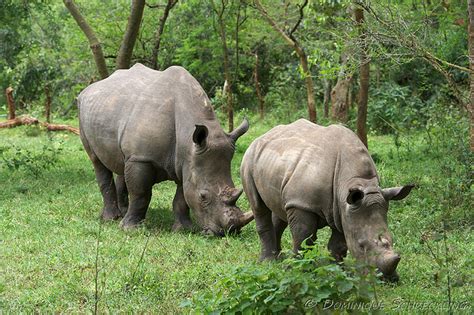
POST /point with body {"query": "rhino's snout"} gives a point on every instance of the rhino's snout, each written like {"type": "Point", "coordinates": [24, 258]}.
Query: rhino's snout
{"type": "Point", "coordinates": [387, 264]}
{"type": "Point", "coordinates": [379, 253]}
{"type": "Point", "coordinates": [236, 220]}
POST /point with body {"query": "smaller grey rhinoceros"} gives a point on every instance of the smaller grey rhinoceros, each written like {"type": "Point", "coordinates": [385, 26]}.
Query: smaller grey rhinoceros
{"type": "Point", "coordinates": [309, 176]}
{"type": "Point", "coordinates": [149, 126]}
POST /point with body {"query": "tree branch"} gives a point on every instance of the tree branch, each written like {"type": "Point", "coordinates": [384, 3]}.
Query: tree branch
{"type": "Point", "coordinates": [299, 19]}
{"type": "Point", "coordinates": [273, 24]}
{"type": "Point", "coordinates": [91, 37]}
{"type": "Point", "coordinates": [154, 6]}
{"type": "Point", "coordinates": [159, 32]}
{"type": "Point", "coordinates": [131, 33]}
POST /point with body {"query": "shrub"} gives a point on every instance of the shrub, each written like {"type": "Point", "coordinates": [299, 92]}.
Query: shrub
{"type": "Point", "coordinates": [295, 285]}
{"type": "Point", "coordinates": [392, 107]}
{"type": "Point", "coordinates": [33, 161]}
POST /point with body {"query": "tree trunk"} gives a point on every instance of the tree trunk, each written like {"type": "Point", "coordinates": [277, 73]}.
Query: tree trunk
{"type": "Point", "coordinates": [339, 93]}
{"type": "Point", "coordinates": [47, 104]}
{"type": "Point", "coordinates": [364, 71]}
{"type": "Point", "coordinates": [327, 96]}
{"type": "Point", "coordinates": [291, 41]}
{"type": "Point", "coordinates": [350, 96]}
{"type": "Point", "coordinates": [131, 32]}
{"type": "Point", "coordinates": [471, 66]}
{"type": "Point", "coordinates": [261, 100]}
{"type": "Point", "coordinates": [227, 75]}
{"type": "Point", "coordinates": [161, 27]}
{"type": "Point", "coordinates": [93, 41]}
{"type": "Point", "coordinates": [10, 102]}
{"type": "Point", "coordinates": [309, 85]}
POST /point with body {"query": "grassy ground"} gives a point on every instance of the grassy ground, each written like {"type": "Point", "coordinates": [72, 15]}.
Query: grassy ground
{"type": "Point", "coordinates": [50, 235]}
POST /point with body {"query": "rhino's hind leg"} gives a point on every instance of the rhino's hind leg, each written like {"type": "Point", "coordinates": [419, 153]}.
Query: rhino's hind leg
{"type": "Point", "coordinates": [337, 245]}
{"type": "Point", "coordinates": [122, 194]}
{"type": "Point", "coordinates": [105, 179]}
{"type": "Point", "coordinates": [181, 211]}
{"type": "Point", "coordinates": [139, 178]}
{"type": "Point", "coordinates": [303, 226]}
{"type": "Point", "coordinates": [279, 225]}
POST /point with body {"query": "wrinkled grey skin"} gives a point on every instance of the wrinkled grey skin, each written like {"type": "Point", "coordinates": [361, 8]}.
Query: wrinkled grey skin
{"type": "Point", "coordinates": [148, 126]}
{"type": "Point", "coordinates": [308, 176]}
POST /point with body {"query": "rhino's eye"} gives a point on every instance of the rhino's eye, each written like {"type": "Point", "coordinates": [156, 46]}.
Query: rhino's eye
{"type": "Point", "coordinates": [203, 195]}
{"type": "Point", "coordinates": [204, 198]}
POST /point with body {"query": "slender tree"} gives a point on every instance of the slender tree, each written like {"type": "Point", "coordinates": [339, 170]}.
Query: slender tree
{"type": "Point", "coordinates": [91, 37]}
{"type": "Point", "coordinates": [364, 71]}
{"type": "Point", "coordinates": [225, 51]}
{"type": "Point", "coordinates": [291, 40]}
{"type": "Point", "coordinates": [131, 32]}
{"type": "Point", "coordinates": [471, 66]}
{"type": "Point", "coordinates": [258, 90]}
{"type": "Point", "coordinates": [159, 32]}
{"type": "Point", "coordinates": [327, 96]}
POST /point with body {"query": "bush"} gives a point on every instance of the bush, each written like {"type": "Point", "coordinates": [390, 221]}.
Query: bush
{"type": "Point", "coordinates": [392, 107]}
{"type": "Point", "coordinates": [31, 160]}
{"type": "Point", "coordinates": [294, 285]}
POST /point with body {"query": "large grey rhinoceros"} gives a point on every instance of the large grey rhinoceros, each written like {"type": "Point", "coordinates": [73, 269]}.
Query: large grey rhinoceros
{"type": "Point", "coordinates": [149, 126]}
{"type": "Point", "coordinates": [309, 176]}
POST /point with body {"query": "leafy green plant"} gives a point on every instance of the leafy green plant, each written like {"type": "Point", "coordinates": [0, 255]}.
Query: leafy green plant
{"type": "Point", "coordinates": [295, 285]}
{"type": "Point", "coordinates": [392, 107]}
{"type": "Point", "coordinates": [33, 161]}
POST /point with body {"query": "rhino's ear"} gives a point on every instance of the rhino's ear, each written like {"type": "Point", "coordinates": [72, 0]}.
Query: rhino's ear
{"type": "Point", "coordinates": [355, 196]}
{"type": "Point", "coordinates": [200, 135]}
{"type": "Point", "coordinates": [397, 193]}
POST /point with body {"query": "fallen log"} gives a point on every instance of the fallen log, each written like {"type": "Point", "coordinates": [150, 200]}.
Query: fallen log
{"type": "Point", "coordinates": [27, 120]}
{"type": "Point", "coordinates": [18, 121]}
{"type": "Point", "coordinates": [55, 127]}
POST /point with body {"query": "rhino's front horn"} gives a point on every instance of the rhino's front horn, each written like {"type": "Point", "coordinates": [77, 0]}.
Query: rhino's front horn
{"type": "Point", "coordinates": [246, 218]}
{"type": "Point", "coordinates": [240, 130]}
{"type": "Point", "coordinates": [234, 195]}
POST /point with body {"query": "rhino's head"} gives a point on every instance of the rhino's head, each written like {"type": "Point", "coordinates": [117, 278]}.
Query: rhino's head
{"type": "Point", "coordinates": [365, 226]}
{"type": "Point", "coordinates": [208, 186]}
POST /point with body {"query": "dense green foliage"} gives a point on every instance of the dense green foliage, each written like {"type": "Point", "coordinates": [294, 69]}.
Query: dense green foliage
{"type": "Point", "coordinates": [43, 46]}
{"type": "Point", "coordinates": [302, 285]}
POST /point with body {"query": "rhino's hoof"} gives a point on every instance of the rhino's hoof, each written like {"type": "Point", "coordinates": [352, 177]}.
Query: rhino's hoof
{"type": "Point", "coordinates": [180, 226]}
{"type": "Point", "coordinates": [130, 223]}
{"type": "Point", "coordinates": [268, 256]}
{"type": "Point", "coordinates": [109, 214]}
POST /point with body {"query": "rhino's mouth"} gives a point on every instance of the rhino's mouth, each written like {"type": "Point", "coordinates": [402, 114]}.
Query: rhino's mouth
{"type": "Point", "coordinates": [393, 277]}
{"type": "Point", "coordinates": [219, 232]}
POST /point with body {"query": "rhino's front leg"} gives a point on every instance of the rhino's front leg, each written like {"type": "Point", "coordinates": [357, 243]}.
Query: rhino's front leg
{"type": "Point", "coordinates": [337, 245]}
{"type": "Point", "coordinates": [139, 178]}
{"type": "Point", "coordinates": [182, 219]}
{"type": "Point", "coordinates": [279, 225]}
{"type": "Point", "coordinates": [303, 226]}
{"type": "Point", "coordinates": [122, 194]}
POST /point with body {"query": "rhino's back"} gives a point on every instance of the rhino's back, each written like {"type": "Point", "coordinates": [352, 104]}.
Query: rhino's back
{"type": "Point", "coordinates": [294, 165]}
{"type": "Point", "coordinates": [131, 114]}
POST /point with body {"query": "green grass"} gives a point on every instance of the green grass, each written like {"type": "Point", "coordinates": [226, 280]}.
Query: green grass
{"type": "Point", "coordinates": [49, 231]}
